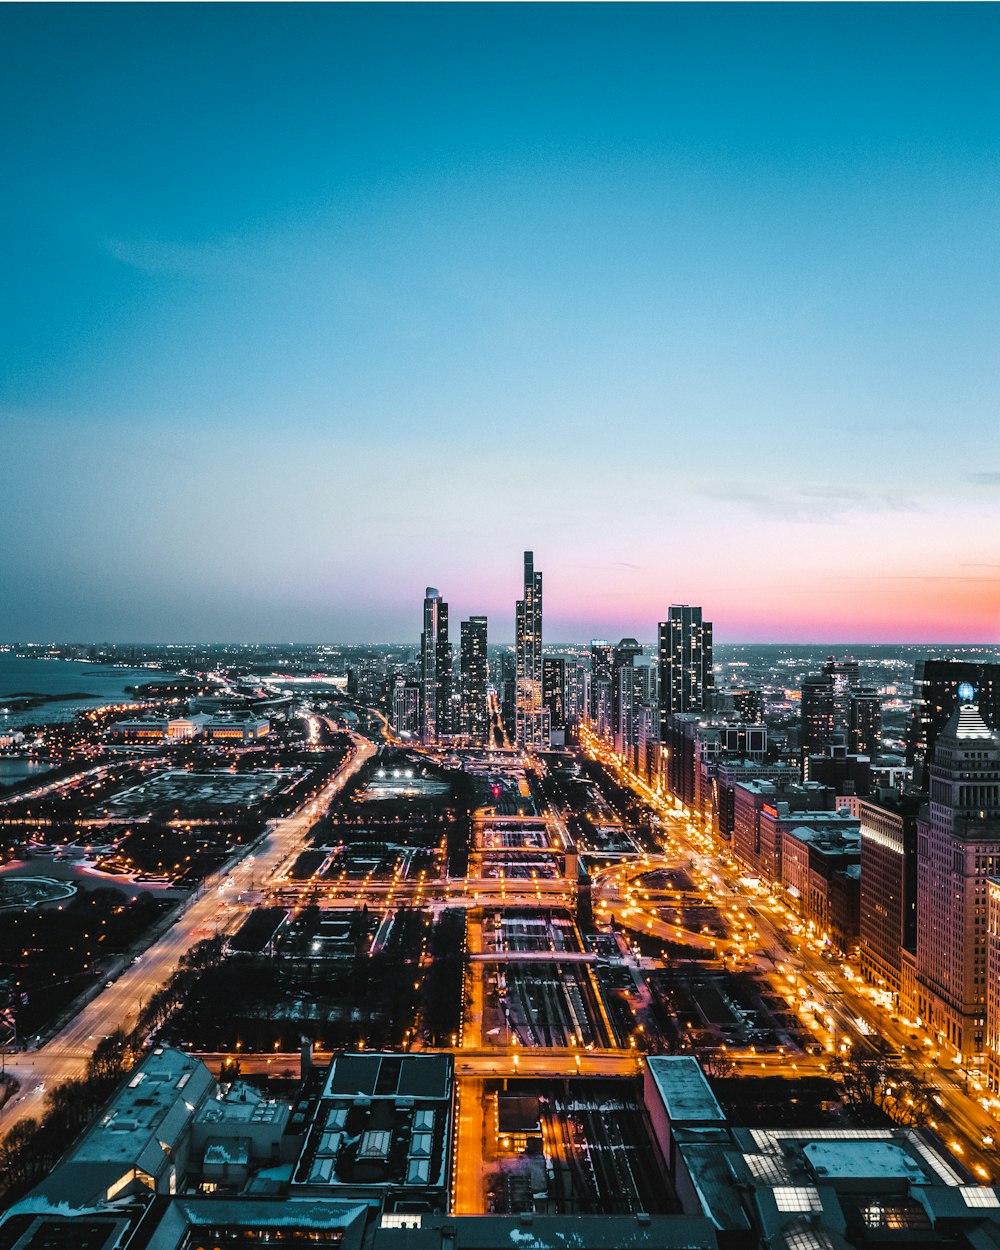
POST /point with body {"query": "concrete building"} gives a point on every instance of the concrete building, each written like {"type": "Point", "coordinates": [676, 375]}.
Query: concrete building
{"type": "Point", "coordinates": [435, 668]}
{"type": "Point", "coordinates": [382, 1130]}
{"type": "Point", "coordinates": [625, 710]}
{"type": "Point", "coordinates": [405, 708]}
{"type": "Point", "coordinates": [888, 919]}
{"type": "Point", "coordinates": [141, 1142]}
{"type": "Point", "coordinates": [787, 805]}
{"type": "Point", "coordinates": [601, 663]}
{"type": "Point", "coordinates": [235, 731]}
{"type": "Point", "coordinates": [847, 774]}
{"type": "Point", "coordinates": [993, 984]}
{"type": "Point", "coordinates": [958, 849]}
{"type": "Point", "coordinates": [809, 1188]}
{"type": "Point", "coordinates": [554, 690]}
{"type": "Point", "coordinates": [821, 876]}
{"type": "Point", "coordinates": [838, 711]}
{"type": "Point", "coordinates": [730, 773]}
{"type": "Point", "coordinates": [238, 1130]}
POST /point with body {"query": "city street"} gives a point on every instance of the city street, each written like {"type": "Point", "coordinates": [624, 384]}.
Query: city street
{"type": "Point", "coordinates": [213, 909]}
{"type": "Point", "coordinates": [964, 1123]}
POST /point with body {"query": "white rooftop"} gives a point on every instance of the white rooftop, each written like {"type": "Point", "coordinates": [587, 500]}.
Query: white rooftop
{"type": "Point", "coordinates": [686, 1095]}
{"type": "Point", "coordinates": [147, 1118]}
{"type": "Point", "coordinates": [849, 1160]}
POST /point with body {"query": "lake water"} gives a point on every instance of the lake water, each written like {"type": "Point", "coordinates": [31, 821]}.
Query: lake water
{"type": "Point", "coordinates": [102, 683]}
{"type": "Point", "coordinates": [12, 770]}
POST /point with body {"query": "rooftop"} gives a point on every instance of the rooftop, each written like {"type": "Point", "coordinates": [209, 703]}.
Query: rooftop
{"type": "Point", "coordinates": [686, 1094]}
{"type": "Point", "coordinates": [389, 1076]}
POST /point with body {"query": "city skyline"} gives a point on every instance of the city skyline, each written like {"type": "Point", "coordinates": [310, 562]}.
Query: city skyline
{"type": "Point", "coordinates": [295, 296]}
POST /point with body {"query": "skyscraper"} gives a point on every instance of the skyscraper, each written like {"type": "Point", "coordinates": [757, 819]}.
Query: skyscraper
{"type": "Point", "coordinates": [405, 707]}
{"type": "Point", "coordinates": [625, 694]}
{"type": "Point", "coordinates": [474, 671]}
{"type": "Point", "coordinates": [601, 662]}
{"type": "Point", "coordinates": [554, 690]}
{"type": "Point", "coordinates": [685, 655]}
{"type": "Point", "coordinates": [446, 712]}
{"type": "Point", "coordinates": [958, 850]}
{"type": "Point", "coordinates": [838, 711]}
{"type": "Point", "coordinates": [935, 696]}
{"type": "Point", "coordinates": [864, 727]}
{"type": "Point", "coordinates": [530, 718]}
{"type": "Point", "coordinates": [819, 716]}
{"type": "Point", "coordinates": [435, 668]}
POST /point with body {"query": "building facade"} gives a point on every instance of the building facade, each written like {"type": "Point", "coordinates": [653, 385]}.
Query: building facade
{"type": "Point", "coordinates": [554, 690]}
{"type": "Point", "coordinates": [435, 668]}
{"type": "Point", "coordinates": [685, 662]}
{"type": "Point", "coordinates": [936, 695]}
{"type": "Point", "coordinates": [958, 849]}
{"type": "Point", "coordinates": [474, 671]}
{"type": "Point", "coordinates": [888, 889]}
{"type": "Point", "coordinates": [530, 719]}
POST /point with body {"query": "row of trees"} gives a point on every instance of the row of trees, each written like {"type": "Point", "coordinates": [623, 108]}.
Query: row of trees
{"type": "Point", "coordinates": [876, 1083]}
{"type": "Point", "coordinates": [32, 1147]}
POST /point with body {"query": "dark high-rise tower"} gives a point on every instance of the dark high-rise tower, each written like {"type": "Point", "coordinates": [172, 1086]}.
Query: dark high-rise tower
{"type": "Point", "coordinates": [530, 719]}
{"type": "Point", "coordinates": [624, 693]}
{"type": "Point", "coordinates": [474, 676]}
{"type": "Point", "coordinates": [819, 714]}
{"type": "Point", "coordinates": [936, 695]}
{"type": "Point", "coordinates": [445, 679]}
{"type": "Point", "coordinates": [435, 668]}
{"type": "Point", "coordinates": [837, 710]}
{"type": "Point", "coordinates": [554, 690]}
{"type": "Point", "coordinates": [685, 655]}
{"type": "Point", "coordinates": [601, 663]}
{"type": "Point", "coordinates": [864, 727]}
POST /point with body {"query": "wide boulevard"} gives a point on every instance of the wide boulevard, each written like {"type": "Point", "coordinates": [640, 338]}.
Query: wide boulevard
{"type": "Point", "coordinates": [210, 911]}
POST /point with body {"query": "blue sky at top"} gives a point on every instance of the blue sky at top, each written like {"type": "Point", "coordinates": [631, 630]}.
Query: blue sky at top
{"type": "Point", "coordinates": [305, 307]}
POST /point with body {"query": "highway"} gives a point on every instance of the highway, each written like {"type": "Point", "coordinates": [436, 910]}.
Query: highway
{"type": "Point", "coordinates": [211, 910]}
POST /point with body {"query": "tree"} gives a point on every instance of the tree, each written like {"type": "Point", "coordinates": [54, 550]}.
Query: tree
{"type": "Point", "coordinates": [18, 1156]}
{"type": "Point", "coordinates": [877, 1080]}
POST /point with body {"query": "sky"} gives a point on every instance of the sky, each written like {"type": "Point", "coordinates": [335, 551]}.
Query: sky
{"type": "Point", "coordinates": [305, 308]}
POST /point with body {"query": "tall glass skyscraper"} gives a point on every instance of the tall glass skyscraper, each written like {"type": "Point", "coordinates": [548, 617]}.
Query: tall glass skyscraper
{"type": "Point", "coordinates": [530, 725]}
{"type": "Point", "coordinates": [474, 676]}
{"type": "Point", "coordinates": [685, 654]}
{"type": "Point", "coordinates": [435, 669]}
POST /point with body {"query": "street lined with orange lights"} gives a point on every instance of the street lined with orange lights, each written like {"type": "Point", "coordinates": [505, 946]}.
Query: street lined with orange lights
{"type": "Point", "coordinates": [834, 1002]}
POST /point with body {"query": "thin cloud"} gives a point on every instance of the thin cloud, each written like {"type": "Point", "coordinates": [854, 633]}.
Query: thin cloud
{"type": "Point", "coordinates": [812, 507]}
{"type": "Point", "coordinates": [176, 259]}
{"type": "Point", "coordinates": [925, 577]}
{"type": "Point", "coordinates": [989, 477]}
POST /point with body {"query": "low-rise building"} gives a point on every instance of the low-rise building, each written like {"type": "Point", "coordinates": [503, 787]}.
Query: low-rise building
{"type": "Point", "coordinates": [759, 810]}
{"type": "Point", "coordinates": [382, 1130]}
{"type": "Point", "coordinates": [729, 774]}
{"type": "Point", "coordinates": [141, 1140]}
{"type": "Point", "coordinates": [821, 875]}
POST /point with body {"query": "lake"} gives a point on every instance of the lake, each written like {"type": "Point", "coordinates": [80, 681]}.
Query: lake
{"type": "Point", "coordinates": [57, 679]}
